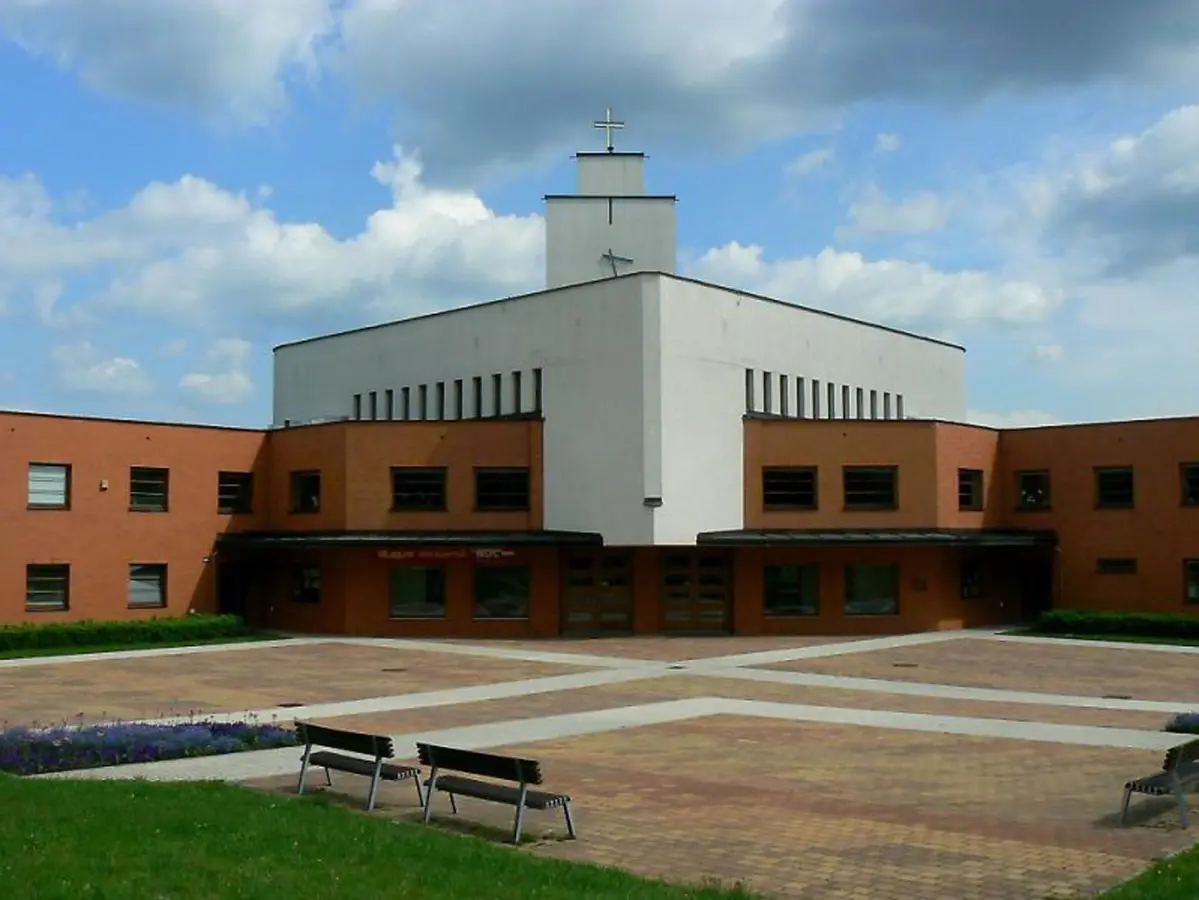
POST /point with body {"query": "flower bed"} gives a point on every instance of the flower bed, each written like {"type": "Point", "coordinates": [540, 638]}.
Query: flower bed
{"type": "Point", "coordinates": [31, 751]}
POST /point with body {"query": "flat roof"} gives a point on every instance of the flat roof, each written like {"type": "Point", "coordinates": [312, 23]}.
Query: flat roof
{"type": "Point", "coordinates": [516, 297]}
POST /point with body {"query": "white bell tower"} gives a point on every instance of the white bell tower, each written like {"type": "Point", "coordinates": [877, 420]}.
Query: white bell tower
{"type": "Point", "coordinates": [610, 226]}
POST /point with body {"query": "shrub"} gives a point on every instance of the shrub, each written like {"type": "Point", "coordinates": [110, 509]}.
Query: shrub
{"type": "Point", "coordinates": [31, 751]}
{"type": "Point", "coordinates": [1183, 723]}
{"type": "Point", "coordinates": [1149, 625]}
{"type": "Point", "coordinates": [91, 633]}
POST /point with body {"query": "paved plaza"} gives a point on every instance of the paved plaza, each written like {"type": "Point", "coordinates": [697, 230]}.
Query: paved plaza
{"type": "Point", "coordinates": [920, 767]}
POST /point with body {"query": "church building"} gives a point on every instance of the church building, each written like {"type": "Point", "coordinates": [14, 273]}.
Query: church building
{"type": "Point", "coordinates": [625, 451]}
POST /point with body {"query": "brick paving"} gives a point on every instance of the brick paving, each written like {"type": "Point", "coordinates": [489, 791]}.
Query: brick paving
{"type": "Point", "coordinates": [825, 811]}
{"type": "Point", "coordinates": [976, 662]}
{"type": "Point", "coordinates": [216, 682]}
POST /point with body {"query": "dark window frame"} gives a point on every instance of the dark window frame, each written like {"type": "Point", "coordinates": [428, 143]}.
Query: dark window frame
{"type": "Point", "coordinates": [971, 580]}
{"type": "Point", "coordinates": [244, 502]}
{"type": "Point", "coordinates": [803, 610]}
{"type": "Point", "coordinates": [1116, 565]}
{"type": "Point", "coordinates": [780, 473]}
{"type": "Point", "coordinates": [68, 476]}
{"type": "Point", "coordinates": [430, 496]}
{"type": "Point", "coordinates": [1188, 477]}
{"type": "Point", "coordinates": [1023, 502]}
{"type": "Point", "coordinates": [442, 582]}
{"type": "Point", "coordinates": [295, 494]}
{"type": "Point", "coordinates": [146, 475]}
{"type": "Point", "coordinates": [48, 572]}
{"type": "Point", "coordinates": [848, 472]}
{"type": "Point", "coordinates": [158, 569]}
{"type": "Point", "coordinates": [849, 586]}
{"type": "Point", "coordinates": [481, 573]}
{"type": "Point", "coordinates": [1112, 472]}
{"type": "Point", "coordinates": [307, 583]}
{"type": "Point", "coordinates": [496, 505]}
{"type": "Point", "coordinates": [974, 480]}
{"type": "Point", "coordinates": [1190, 582]}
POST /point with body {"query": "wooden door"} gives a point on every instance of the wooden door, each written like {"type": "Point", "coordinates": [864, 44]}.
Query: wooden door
{"type": "Point", "coordinates": [597, 594]}
{"type": "Point", "coordinates": [696, 592]}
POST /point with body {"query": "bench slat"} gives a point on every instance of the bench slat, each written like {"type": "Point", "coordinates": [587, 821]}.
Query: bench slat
{"type": "Point", "coordinates": [340, 739]}
{"type": "Point", "coordinates": [474, 762]}
{"type": "Point", "coordinates": [358, 766]}
{"type": "Point", "coordinates": [498, 793]}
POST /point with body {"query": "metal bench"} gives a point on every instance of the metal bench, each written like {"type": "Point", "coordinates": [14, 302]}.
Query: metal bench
{"type": "Point", "coordinates": [1179, 771]}
{"type": "Point", "coordinates": [523, 772]}
{"type": "Point", "coordinates": [377, 746]}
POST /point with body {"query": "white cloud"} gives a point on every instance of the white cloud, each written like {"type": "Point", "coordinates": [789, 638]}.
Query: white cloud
{"type": "Point", "coordinates": [873, 213]}
{"type": "Point", "coordinates": [230, 384]}
{"type": "Point", "coordinates": [811, 162]}
{"type": "Point", "coordinates": [1018, 418]}
{"type": "Point", "coordinates": [889, 291]}
{"type": "Point", "coordinates": [887, 143]}
{"type": "Point", "coordinates": [81, 367]}
{"type": "Point", "coordinates": [1050, 353]}
{"type": "Point", "coordinates": [175, 347]}
{"type": "Point", "coordinates": [222, 59]}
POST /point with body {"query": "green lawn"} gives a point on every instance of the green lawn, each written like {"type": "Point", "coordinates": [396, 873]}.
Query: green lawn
{"type": "Point", "coordinates": [101, 840]}
{"type": "Point", "coordinates": [142, 645]}
{"type": "Point", "coordinates": [1174, 879]}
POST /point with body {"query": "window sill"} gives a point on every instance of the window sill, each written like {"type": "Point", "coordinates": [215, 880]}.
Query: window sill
{"type": "Point", "coordinates": [303, 512]}
{"type": "Point", "coordinates": [852, 509]}
{"type": "Point", "coordinates": [48, 507]}
{"type": "Point", "coordinates": [235, 512]}
{"type": "Point", "coordinates": [440, 618]}
{"type": "Point", "coordinates": [44, 609]}
{"type": "Point", "coordinates": [143, 509]}
{"type": "Point", "coordinates": [400, 510]}
{"type": "Point", "coordinates": [1024, 510]}
{"type": "Point", "coordinates": [775, 617]}
{"type": "Point", "coordinates": [890, 615]}
{"type": "Point", "coordinates": [524, 618]}
{"type": "Point", "coordinates": [146, 606]}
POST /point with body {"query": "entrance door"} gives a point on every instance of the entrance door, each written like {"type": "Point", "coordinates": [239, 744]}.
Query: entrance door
{"type": "Point", "coordinates": [233, 588]}
{"type": "Point", "coordinates": [1036, 587]}
{"type": "Point", "coordinates": [597, 596]}
{"type": "Point", "coordinates": [696, 593]}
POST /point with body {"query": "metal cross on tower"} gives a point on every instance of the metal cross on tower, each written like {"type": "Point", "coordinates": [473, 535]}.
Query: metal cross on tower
{"type": "Point", "coordinates": [609, 125]}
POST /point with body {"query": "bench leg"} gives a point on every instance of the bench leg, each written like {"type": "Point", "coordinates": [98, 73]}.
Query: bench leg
{"type": "Point", "coordinates": [1124, 805]}
{"type": "Point", "coordinates": [374, 791]}
{"type": "Point", "coordinates": [420, 794]}
{"type": "Point", "coordinates": [520, 814]}
{"type": "Point", "coordinates": [430, 787]}
{"type": "Point", "coordinates": [570, 822]}
{"type": "Point", "coordinates": [453, 804]}
{"type": "Point", "coordinates": [304, 768]}
{"type": "Point", "coordinates": [328, 777]}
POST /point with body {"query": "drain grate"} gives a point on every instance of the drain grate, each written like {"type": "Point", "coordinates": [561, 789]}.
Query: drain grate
{"type": "Point", "coordinates": [393, 670]}
{"type": "Point", "coordinates": [906, 665]}
{"type": "Point", "coordinates": [676, 667]}
{"type": "Point", "coordinates": [291, 705]}
{"type": "Point", "coordinates": [1117, 696]}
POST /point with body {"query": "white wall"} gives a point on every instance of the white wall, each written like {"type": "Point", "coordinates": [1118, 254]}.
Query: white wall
{"type": "Point", "coordinates": [578, 234]}
{"type": "Point", "coordinates": [710, 336]}
{"type": "Point", "coordinates": [610, 173]}
{"type": "Point", "coordinates": [588, 342]}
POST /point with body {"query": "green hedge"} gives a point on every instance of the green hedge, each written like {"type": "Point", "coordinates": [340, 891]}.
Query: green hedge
{"type": "Point", "coordinates": [89, 633]}
{"type": "Point", "coordinates": [1148, 625]}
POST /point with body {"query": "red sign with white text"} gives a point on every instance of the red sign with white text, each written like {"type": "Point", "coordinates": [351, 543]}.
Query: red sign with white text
{"type": "Point", "coordinates": [428, 555]}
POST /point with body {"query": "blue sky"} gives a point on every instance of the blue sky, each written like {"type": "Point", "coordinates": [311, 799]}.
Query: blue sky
{"type": "Point", "coordinates": [186, 183]}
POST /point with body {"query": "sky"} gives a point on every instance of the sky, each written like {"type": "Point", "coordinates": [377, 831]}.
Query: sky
{"type": "Point", "coordinates": [185, 184]}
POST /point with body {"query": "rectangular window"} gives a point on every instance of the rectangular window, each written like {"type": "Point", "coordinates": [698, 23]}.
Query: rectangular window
{"type": "Point", "coordinates": [970, 489]}
{"type": "Point", "coordinates": [441, 401]}
{"type": "Point", "coordinates": [501, 489]}
{"type": "Point", "coordinates": [873, 404]}
{"type": "Point", "coordinates": [1189, 475]}
{"type": "Point", "coordinates": [418, 489]}
{"type": "Point", "coordinates": [971, 580]}
{"type": "Point", "coordinates": [860, 403]}
{"type": "Point", "coordinates": [537, 391]}
{"type": "Point", "coordinates": [899, 406]}
{"type": "Point", "coordinates": [886, 404]}
{"type": "Point", "coordinates": [374, 405]}
{"type": "Point", "coordinates": [749, 390]}
{"type": "Point", "coordinates": [1114, 566]}
{"type": "Point", "coordinates": [389, 404]}
{"type": "Point", "coordinates": [1033, 490]}
{"type": "Point", "coordinates": [417, 592]}
{"type": "Point", "coordinates": [459, 409]}
{"type": "Point", "coordinates": [149, 489]}
{"type": "Point", "coordinates": [497, 395]}
{"type": "Point", "coordinates": [846, 412]}
{"type": "Point", "coordinates": [476, 388]}
{"type": "Point", "coordinates": [791, 590]}
{"type": "Point", "coordinates": [815, 398]}
{"type": "Point", "coordinates": [1190, 577]}
{"type": "Point", "coordinates": [767, 392]}
{"type": "Point", "coordinates": [502, 592]}
{"type": "Point", "coordinates": [1114, 487]}
{"type": "Point", "coordinates": [832, 401]}
{"type": "Point", "coordinates": [357, 412]}
{"type": "Point", "coordinates": [871, 487]}
{"type": "Point", "coordinates": [306, 492]}
{"type": "Point", "coordinates": [47, 587]}
{"type": "Point", "coordinates": [872, 590]}
{"type": "Point", "coordinates": [422, 402]}
{"type": "Point", "coordinates": [406, 404]}
{"type": "Point", "coordinates": [49, 486]}
{"type": "Point", "coordinates": [784, 399]}
{"type": "Point", "coordinates": [306, 584]}
{"type": "Point", "coordinates": [147, 585]}
{"type": "Point", "coordinates": [517, 400]}
{"type": "Point", "coordinates": [234, 492]}
{"type": "Point", "coordinates": [791, 487]}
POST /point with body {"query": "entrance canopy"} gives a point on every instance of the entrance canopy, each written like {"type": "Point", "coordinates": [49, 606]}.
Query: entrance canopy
{"type": "Point", "coordinates": [924, 537]}
{"type": "Point", "coordinates": [316, 539]}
